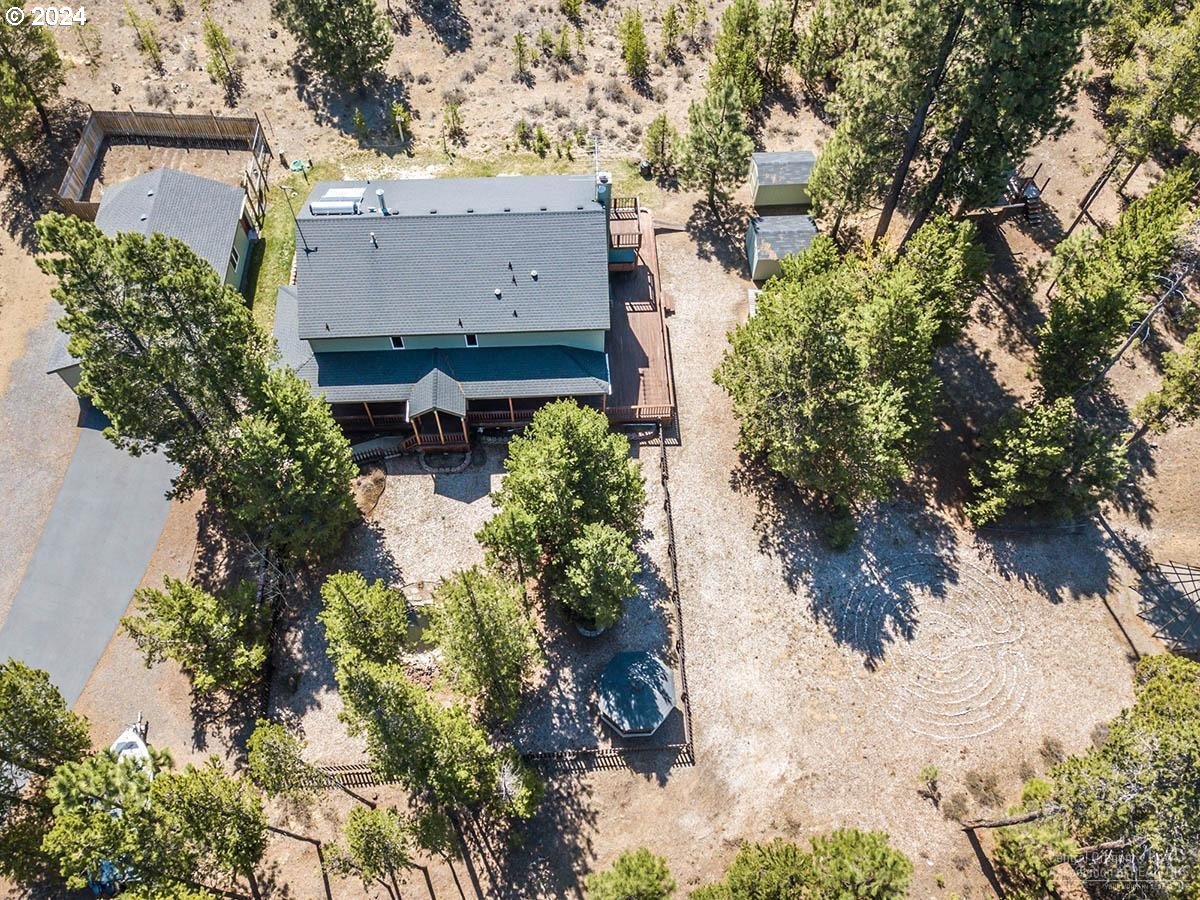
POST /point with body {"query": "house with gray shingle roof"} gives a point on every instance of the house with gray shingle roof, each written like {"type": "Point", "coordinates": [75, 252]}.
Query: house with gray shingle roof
{"type": "Point", "coordinates": [420, 305]}
{"type": "Point", "coordinates": [209, 216]}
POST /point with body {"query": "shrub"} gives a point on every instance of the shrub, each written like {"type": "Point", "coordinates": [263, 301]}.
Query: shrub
{"type": "Point", "coordinates": [635, 875]}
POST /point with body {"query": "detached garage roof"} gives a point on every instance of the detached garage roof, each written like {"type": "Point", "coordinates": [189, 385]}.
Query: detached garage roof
{"type": "Point", "coordinates": [778, 236]}
{"type": "Point", "coordinates": [452, 255]}
{"type": "Point", "coordinates": [787, 167]}
{"type": "Point", "coordinates": [198, 211]}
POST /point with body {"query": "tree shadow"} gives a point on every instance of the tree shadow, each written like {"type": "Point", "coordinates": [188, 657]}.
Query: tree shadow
{"type": "Point", "coordinates": [445, 18]}
{"type": "Point", "coordinates": [889, 537]}
{"type": "Point", "coordinates": [551, 850]}
{"type": "Point", "coordinates": [1033, 552]}
{"type": "Point", "coordinates": [1107, 412]}
{"type": "Point", "coordinates": [717, 233]}
{"type": "Point", "coordinates": [23, 202]}
{"type": "Point", "coordinates": [333, 105]}
{"type": "Point", "coordinates": [1008, 290]}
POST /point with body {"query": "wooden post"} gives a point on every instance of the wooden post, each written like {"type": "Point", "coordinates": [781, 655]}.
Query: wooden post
{"type": "Point", "coordinates": [438, 421]}
{"type": "Point", "coordinates": [416, 423]}
{"type": "Point", "coordinates": [512, 414]}
{"type": "Point", "coordinates": [466, 440]}
{"type": "Point", "coordinates": [367, 408]}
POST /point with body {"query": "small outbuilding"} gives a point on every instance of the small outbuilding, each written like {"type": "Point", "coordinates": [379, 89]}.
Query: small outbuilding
{"type": "Point", "coordinates": [770, 238]}
{"type": "Point", "coordinates": [635, 693]}
{"type": "Point", "coordinates": [781, 179]}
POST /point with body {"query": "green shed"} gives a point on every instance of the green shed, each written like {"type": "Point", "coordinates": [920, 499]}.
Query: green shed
{"type": "Point", "coordinates": [781, 179]}
{"type": "Point", "coordinates": [770, 238]}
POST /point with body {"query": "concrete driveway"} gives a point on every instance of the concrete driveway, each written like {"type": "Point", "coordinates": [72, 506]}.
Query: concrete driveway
{"type": "Point", "coordinates": [90, 557]}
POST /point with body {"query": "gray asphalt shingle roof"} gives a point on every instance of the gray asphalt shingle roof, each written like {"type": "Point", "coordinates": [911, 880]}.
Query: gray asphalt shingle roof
{"type": "Point", "coordinates": [480, 372]}
{"type": "Point", "coordinates": [200, 212]}
{"type": "Point", "coordinates": [439, 391]}
{"type": "Point", "coordinates": [785, 167]}
{"type": "Point", "coordinates": [778, 236]}
{"type": "Point", "coordinates": [415, 271]}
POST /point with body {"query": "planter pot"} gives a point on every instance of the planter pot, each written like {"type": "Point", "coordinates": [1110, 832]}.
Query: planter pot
{"type": "Point", "coordinates": [588, 629]}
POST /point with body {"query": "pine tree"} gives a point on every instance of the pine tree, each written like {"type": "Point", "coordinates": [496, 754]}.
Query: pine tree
{"type": "Point", "coordinates": [275, 763]}
{"type": "Point", "coordinates": [521, 58]}
{"type": "Point", "coordinates": [486, 638]}
{"type": "Point", "coordinates": [286, 470]}
{"type": "Point", "coordinates": [1014, 71]}
{"type": "Point", "coordinates": [1102, 283]}
{"type": "Point", "coordinates": [778, 41]}
{"type": "Point", "coordinates": [166, 350]}
{"type": "Point", "coordinates": [660, 144]}
{"type": "Point", "coordinates": [429, 748]}
{"type": "Point", "coordinates": [221, 642]}
{"type": "Point", "coordinates": [38, 733]}
{"type": "Point", "coordinates": [16, 124]}
{"type": "Point", "coordinates": [1157, 86]}
{"type": "Point", "coordinates": [30, 68]}
{"type": "Point", "coordinates": [347, 40]}
{"type": "Point", "coordinates": [635, 51]}
{"type": "Point", "coordinates": [173, 357]}
{"type": "Point", "coordinates": [716, 152]}
{"type": "Point", "coordinates": [223, 65]}
{"type": "Point", "coordinates": [597, 570]}
{"type": "Point", "coordinates": [672, 31]}
{"type": "Point", "coordinates": [736, 52]}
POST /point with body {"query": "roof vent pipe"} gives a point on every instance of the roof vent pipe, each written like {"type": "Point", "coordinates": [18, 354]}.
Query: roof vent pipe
{"type": "Point", "coordinates": [374, 242]}
{"type": "Point", "coordinates": [382, 204]}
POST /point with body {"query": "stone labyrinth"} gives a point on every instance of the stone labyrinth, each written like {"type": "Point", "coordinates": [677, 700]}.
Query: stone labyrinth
{"type": "Point", "coordinates": [944, 643]}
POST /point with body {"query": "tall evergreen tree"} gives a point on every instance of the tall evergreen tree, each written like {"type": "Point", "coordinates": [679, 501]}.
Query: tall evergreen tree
{"type": "Point", "coordinates": [30, 66]}
{"type": "Point", "coordinates": [363, 620]}
{"type": "Point", "coordinates": [173, 357]}
{"type": "Point", "coordinates": [832, 379]}
{"type": "Point", "coordinates": [1177, 400]}
{"type": "Point", "coordinates": [1015, 72]}
{"type": "Point", "coordinates": [1157, 87]}
{"type": "Point", "coordinates": [38, 733]}
{"type": "Point", "coordinates": [347, 40]}
{"type": "Point", "coordinates": [486, 638]}
{"type": "Point", "coordinates": [716, 151]}
{"type": "Point", "coordinates": [1103, 282]}
{"type": "Point", "coordinates": [736, 52]}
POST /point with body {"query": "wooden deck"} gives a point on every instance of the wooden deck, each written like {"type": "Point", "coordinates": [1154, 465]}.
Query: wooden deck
{"type": "Point", "coordinates": [638, 349]}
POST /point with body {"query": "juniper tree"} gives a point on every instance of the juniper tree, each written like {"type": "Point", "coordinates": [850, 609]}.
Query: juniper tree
{"type": "Point", "coordinates": [220, 641]}
{"type": "Point", "coordinates": [486, 638]}
{"type": "Point", "coordinates": [635, 51]}
{"type": "Point", "coordinates": [736, 52]}
{"type": "Point", "coordinates": [634, 875]}
{"type": "Point", "coordinates": [376, 844]}
{"type": "Point", "coordinates": [1177, 400]}
{"type": "Point", "coordinates": [346, 40]}
{"type": "Point", "coordinates": [832, 379]}
{"type": "Point", "coordinates": [715, 154]}
{"type": "Point", "coordinates": [31, 71]}
{"type": "Point", "coordinates": [1043, 457]}
{"type": "Point", "coordinates": [1102, 282]}
{"type": "Point", "coordinates": [38, 733]}
{"type": "Point", "coordinates": [363, 620]}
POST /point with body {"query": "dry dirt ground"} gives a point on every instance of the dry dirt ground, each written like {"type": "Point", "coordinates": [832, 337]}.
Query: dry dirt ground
{"type": "Point", "coordinates": [821, 683]}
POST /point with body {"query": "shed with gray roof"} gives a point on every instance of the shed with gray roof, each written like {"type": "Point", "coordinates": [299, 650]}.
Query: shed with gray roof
{"type": "Point", "coordinates": [770, 238]}
{"type": "Point", "coordinates": [781, 178]}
